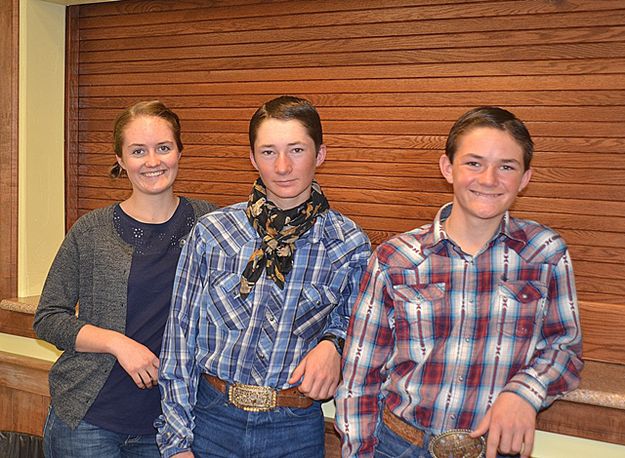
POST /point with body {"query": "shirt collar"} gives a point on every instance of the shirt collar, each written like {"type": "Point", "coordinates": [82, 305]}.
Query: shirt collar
{"type": "Point", "coordinates": [327, 227]}
{"type": "Point", "coordinates": [509, 229]}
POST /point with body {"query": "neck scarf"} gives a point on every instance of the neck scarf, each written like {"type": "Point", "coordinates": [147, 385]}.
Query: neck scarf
{"type": "Point", "coordinates": [279, 230]}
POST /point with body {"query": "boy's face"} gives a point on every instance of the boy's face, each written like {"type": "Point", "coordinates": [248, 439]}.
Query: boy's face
{"type": "Point", "coordinates": [285, 157]}
{"type": "Point", "coordinates": [487, 174]}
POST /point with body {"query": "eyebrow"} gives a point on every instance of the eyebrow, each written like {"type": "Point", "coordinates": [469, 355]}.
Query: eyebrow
{"type": "Point", "coordinates": [271, 145]}
{"type": "Point", "coordinates": [505, 161]}
{"type": "Point", "coordinates": [145, 144]}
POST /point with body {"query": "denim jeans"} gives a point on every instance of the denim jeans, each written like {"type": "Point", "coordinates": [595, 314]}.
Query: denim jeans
{"type": "Point", "coordinates": [390, 445]}
{"type": "Point", "coordinates": [222, 430]}
{"type": "Point", "coordinates": [89, 441]}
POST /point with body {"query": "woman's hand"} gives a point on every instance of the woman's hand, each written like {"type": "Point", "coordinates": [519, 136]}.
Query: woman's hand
{"type": "Point", "coordinates": [135, 358]}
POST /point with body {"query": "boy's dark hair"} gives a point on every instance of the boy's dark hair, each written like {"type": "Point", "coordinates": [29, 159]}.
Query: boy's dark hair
{"type": "Point", "coordinates": [285, 108]}
{"type": "Point", "coordinates": [497, 118]}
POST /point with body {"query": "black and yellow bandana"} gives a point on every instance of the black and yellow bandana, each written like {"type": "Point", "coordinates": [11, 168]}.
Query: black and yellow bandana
{"type": "Point", "coordinates": [279, 231]}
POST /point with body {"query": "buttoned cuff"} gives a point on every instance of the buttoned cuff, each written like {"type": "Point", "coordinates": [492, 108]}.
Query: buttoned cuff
{"type": "Point", "coordinates": [528, 388]}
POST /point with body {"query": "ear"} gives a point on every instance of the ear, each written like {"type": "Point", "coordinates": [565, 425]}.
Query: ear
{"type": "Point", "coordinates": [321, 155]}
{"type": "Point", "coordinates": [446, 168]}
{"type": "Point", "coordinates": [252, 159]}
{"type": "Point", "coordinates": [525, 179]}
{"type": "Point", "coordinates": [120, 161]}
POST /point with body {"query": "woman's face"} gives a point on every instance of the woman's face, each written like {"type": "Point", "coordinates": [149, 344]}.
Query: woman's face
{"type": "Point", "coordinates": [149, 155]}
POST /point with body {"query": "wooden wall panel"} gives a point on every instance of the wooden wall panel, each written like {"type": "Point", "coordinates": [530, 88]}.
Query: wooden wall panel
{"type": "Point", "coordinates": [9, 13]}
{"type": "Point", "coordinates": [389, 79]}
{"type": "Point", "coordinates": [24, 393]}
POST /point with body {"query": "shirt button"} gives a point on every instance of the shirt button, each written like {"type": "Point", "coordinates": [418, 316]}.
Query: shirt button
{"type": "Point", "coordinates": [461, 378]}
{"type": "Point", "coordinates": [261, 356]}
{"type": "Point", "coordinates": [524, 296]}
{"type": "Point", "coordinates": [466, 339]}
{"type": "Point", "coordinates": [453, 417]}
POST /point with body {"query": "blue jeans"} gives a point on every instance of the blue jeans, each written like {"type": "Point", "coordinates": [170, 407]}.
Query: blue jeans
{"type": "Point", "coordinates": [390, 445]}
{"type": "Point", "coordinates": [89, 441]}
{"type": "Point", "coordinates": [222, 430]}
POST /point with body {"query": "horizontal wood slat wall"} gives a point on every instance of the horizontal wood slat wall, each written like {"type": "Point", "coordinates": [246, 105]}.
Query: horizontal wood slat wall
{"type": "Point", "coordinates": [389, 78]}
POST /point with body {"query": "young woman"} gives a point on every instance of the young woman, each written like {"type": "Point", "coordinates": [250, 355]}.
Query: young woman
{"type": "Point", "coordinates": [107, 296]}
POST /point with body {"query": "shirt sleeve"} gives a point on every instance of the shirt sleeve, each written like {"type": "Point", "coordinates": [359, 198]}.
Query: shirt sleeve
{"type": "Point", "coordinates": [368, 346]}
{"type": "Point", "coordinates": [178, 373]}
{"type": "Point", "coordinates": [339, 316]}
{"type": "Point", "coordinates": [555, 366]}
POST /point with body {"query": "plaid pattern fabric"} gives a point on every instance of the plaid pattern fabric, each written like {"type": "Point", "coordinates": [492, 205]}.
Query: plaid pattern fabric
{"type": "Point", "coordinates": [261, 338]}
{"type": "Point", "coordinates": [438, 334]}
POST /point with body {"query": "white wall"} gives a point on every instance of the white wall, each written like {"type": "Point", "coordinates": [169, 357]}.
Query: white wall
{"type": "Point", "coordinates": [41, 155]}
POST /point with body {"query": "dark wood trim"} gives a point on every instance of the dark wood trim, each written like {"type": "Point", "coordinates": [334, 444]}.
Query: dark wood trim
{"type": "Point", "coordinates": [9, 77]}
{"type": "Point", "coordinates": [584, 420]}
{"type": "Point", "coordinates": [72, 48]}
{"type": "Point", "coordinates": [17, 323]}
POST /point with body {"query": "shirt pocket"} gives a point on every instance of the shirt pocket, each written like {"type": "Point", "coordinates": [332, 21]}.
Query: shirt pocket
{"type": "Point", "coordinates": [314, 305]}
{"type": "Point", "coordinates": [226, 308]}
{"type": "Point", "coordinates": [521, 304]}
{"type": "Point", "coordinates": [420, 317]}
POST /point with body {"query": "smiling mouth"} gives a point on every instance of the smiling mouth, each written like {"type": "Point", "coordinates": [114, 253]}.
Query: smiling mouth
{"type": "Point", "coordinates": [488, 196]}
{"type": "Point", "coordinates": [153, 174]}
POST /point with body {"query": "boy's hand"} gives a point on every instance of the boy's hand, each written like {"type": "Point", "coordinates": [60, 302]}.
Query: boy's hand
{"type": "Point", "coordinates": [320, 370]}
{"type": "Point", "coordinates": [510, 424]}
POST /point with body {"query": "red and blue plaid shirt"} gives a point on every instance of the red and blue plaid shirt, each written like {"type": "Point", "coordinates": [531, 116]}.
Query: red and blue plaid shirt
{"type": "Point", "coordinates": [437, 334]}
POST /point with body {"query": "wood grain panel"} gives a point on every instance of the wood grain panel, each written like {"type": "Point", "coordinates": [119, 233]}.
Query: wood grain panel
{"type": "Point", "coordinates": [584, 420]}
{"type": "Point", "coordinates": [9, 11]}
{"type": "Point", "coordinates": [389, 78]}
{"type": "Point", "coordinates": [24, 393]}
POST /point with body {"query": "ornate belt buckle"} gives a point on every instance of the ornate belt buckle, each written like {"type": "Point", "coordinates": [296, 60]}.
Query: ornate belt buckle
{"type": "Point", "coordinates": [456, 443]}
{"type": "Point", "coordinates": [252, 398]}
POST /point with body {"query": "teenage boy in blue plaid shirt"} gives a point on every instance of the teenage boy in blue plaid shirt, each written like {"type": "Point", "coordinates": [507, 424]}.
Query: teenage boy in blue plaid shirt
{"type": "Point", "coordinates": [261, 304]}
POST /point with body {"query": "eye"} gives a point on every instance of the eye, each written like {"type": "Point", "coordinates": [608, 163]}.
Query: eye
{"type": "Point", "coordinates": [164, 148]}
{"type": "Point", "coordinates": [508, 167]}
{"type": "Point", "coordinates": [473, 163]}
{"type": "Point", "coordinates": [298, 150]}
{"type": "Point", "coordinates": [266, 152]}
{"type": "Point", "coordinates": [137, 152]}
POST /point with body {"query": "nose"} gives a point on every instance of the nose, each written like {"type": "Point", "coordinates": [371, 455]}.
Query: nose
{"type": "Point", "coordinates": [152, 159]}
{"type": "Point", "coordinates": [283, 165]}
{"type": "Point", "coordinates": [489, 176]}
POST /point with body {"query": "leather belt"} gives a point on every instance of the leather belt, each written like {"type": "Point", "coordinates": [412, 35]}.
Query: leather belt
{"type": "Point", "coordinates": [455, 442]}
{"type": "Point", "coordinates": [252, 398]}
{"type": "Point", "coordinates": [407, 432]}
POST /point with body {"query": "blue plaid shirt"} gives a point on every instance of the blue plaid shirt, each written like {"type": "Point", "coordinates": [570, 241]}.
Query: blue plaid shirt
{"type": "Point", "coordinates": [259, 340]}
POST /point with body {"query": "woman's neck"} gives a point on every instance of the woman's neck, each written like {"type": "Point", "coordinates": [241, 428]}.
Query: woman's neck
{"type": "Point", "coordinates": [151, 209]}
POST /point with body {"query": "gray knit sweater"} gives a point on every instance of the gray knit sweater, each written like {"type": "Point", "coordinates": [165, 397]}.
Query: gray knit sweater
{"type": "Point", "coordinates": [91, 267]}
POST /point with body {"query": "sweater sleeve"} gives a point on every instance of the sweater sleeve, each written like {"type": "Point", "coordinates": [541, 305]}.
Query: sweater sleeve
{"type": "Point", "coordinates": [55, 319]}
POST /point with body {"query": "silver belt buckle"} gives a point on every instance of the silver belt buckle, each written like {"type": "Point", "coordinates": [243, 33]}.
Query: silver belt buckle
{"type": "Point", "coordinates": [252, 398]}
{"type": "Point", "coordinates": [456, 443]}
